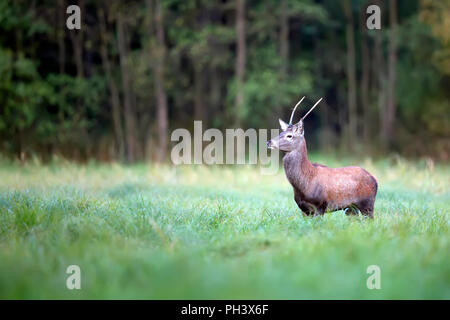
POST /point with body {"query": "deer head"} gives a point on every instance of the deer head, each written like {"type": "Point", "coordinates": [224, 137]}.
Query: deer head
{"type": "Point", "coordinates": [292, 134]}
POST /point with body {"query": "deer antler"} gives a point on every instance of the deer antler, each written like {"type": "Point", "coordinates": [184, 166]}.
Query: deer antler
{"type": "Point", "coordinates": [311, 109]}
{"type": "Point", "coordinates": [293, 111]}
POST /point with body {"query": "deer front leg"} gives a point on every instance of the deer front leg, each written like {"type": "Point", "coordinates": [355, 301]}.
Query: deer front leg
{"type": "Point", "coordinates": [298, 200]}
{"type": "Point", "coordinates": [310, 209]}
{"type": "Point", "coordinates": [304, 206]}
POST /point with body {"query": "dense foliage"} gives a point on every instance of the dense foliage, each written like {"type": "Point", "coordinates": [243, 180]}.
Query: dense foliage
{"type": "Point", "coordinates": [138, 69]}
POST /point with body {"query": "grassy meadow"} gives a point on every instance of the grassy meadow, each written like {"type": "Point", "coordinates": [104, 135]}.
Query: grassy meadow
{"type": "Point", "coordinates": [160, 232]}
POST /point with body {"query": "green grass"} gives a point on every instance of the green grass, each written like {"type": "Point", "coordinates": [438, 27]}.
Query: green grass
{"type": "Point", "coordinates": [148, 232]}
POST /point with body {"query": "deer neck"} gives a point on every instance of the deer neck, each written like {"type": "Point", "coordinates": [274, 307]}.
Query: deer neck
{"type": "Point", "coordinates": [299, 170]}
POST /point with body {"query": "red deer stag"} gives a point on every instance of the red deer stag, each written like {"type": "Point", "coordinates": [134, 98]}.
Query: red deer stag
{"type": "Point", "coordinates": [318, 188]}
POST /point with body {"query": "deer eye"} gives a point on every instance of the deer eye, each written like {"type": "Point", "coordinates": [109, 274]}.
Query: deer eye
{"type": "Point", "coordinates": [289, 136]}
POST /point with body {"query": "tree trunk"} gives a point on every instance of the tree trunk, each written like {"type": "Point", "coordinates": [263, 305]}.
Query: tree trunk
{"type": "Point", "coordinates": [199, 109]}
{"type": "Point", "coordinates": [77, 37]}
{"type": "Point", "coordinates": [378, 68]}
{"type": "Point", "coordinates": [284, 39]}
{"type": "Point", "coordinates": [160, 90]}
{"type": "Point", "coordinates": [392, 74]}
{"type": "Point", "coordinates": [115, 98]}
{"type": "Point", "coordinates": [351, 73]}
{"type": "Point", "coordinates": [215, 96]}
{"type": "Point", "coordinates": [365, 75]}
{"type": "Point", "coordinates": [240, 60]}
{"type": "Point", "coordinates": [130, 120]}
{"type": "Point", "coordinates": [60, 35]}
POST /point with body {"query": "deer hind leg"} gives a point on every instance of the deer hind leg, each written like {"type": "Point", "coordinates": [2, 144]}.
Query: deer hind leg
{"type": "Point", "coordinates": [366, 207]}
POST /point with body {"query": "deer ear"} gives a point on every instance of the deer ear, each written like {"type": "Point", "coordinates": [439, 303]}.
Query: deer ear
{"type": "Point", "coordinates": [298, 128]}
{"type": "Point", "coordinates": [283, 125]}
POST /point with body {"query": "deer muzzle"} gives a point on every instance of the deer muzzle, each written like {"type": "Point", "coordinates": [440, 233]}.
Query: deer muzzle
{"type": "Point", "coordinates": [272, 144]}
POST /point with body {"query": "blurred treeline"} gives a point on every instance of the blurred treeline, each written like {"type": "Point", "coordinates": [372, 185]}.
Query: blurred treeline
{"type": "Point", "coordinates": [136, 70]}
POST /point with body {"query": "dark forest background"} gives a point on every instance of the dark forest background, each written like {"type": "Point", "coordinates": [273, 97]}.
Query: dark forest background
{"type": "Point", "coordinates": [137, 70]}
